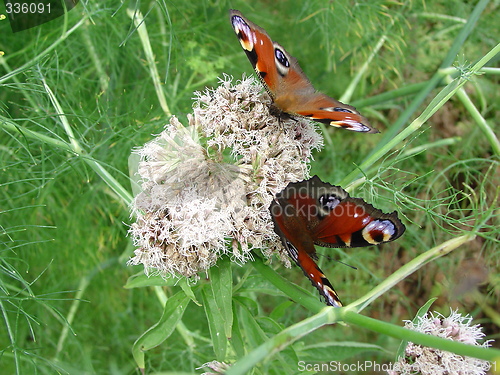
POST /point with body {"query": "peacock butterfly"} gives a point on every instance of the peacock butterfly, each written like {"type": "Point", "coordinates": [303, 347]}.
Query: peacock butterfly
{"type": "Point", "coordinates": [287, 84]}
{"type": "Point", "coordinates": [314, 212]}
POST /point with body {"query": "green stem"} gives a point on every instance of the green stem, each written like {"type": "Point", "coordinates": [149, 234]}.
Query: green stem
{"type": "Point", "coordinates": [487, 354]}
{"type": "Point", "coordinates": [37, 58]}
{"type": "Point", "coordinates": [283, 339]}
{"type": "Point", "coordinates": [480, 121]}
{"type": "Point", "coordinates": [442, 97]}
{"type": "Point", "coordinates": [390, 135]}
{"type": "Point", "coordinates": [331, 315]}
{"type": "Point", "coordinates": [140, 24]}
{"type": "Point", "coordinates": [10, 332]}
{"type": "Point", "coordinates": [408, 269]}
{"type": "Point", "coordinates": [389, 95]}
{"type": "Point", "coordinates": [31, 134]}
{"type": "Point", "coordinates": [91, 162]}
{"type": "Point", "coordinates": [413, 88]}
{"type": "Point", "coordinates": [73, 141]}
{"type": "Point", "coordinates": [346, 97]}
{"type": "Point", "coordinates": [291, 290]}
{"type": "Point", "coordinates": [180, 327]}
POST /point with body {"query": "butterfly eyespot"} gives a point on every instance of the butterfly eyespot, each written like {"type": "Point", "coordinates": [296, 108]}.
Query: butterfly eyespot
{"type": "Point", "coordinates": [379, 231]}
{"type": "Point", "coordinates": [280, 56]}
{"type": "Point", "coordinates": [292, 251]}
{"type": "Point", "coordinates": [329, 201]}
{"type": "Point", "coordinates": [338, 109]}
{"type": "Point", "coordinates": [282, 63]}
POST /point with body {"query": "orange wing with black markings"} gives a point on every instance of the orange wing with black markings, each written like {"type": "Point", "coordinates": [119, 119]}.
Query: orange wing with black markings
{"type": "Point", "coordinates": [287, 84]}
{"type": "Point", "coordinates": [312, 212]}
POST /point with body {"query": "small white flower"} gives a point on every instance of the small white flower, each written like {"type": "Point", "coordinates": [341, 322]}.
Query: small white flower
{"type": "Point", "coordinates": [425, 360]}
{"type": "Point", "coordinates": [206, 188]}
{"type": "Point", "coordinates": [218, 367]}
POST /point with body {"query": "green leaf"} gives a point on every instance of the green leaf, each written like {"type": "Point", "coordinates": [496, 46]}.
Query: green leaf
{"type": "Point", "coordinates": [251, 304]}
{"type": "Point", "coordinates": [269, 325]}
{"type": "Point", "coordinates": [256, 331]}
{"type": "Point", "coordinates": [183, 283]}
{"type": "Point", "coordinates": [258, 284]}
{"type": "Point", "coordinates": [291, 290]}
{"type": "Point", "coordinates": [336, 351]}
{"type": "Point", "coordinates": [154, 336]}
{"type": "Point", "coordinates": [279, 311]}
{"type": "Point", "coordinates": [237, 340]}
{"type": "Point", "coordinates": [216, 323]}
{"type": "Point", "coordinates": [420, 313]}
{"type": "Point", "coordinates": [253, 333]}
{"type": "Point", "coordinates": [141, 280]}
{"type": "Point", "coordinates": [221, 283]}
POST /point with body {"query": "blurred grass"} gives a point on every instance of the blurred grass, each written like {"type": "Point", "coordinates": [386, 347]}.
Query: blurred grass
{"type": "Point", "coordinates": [86, 84]}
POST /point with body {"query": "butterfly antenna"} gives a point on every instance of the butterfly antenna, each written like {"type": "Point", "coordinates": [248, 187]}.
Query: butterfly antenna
{"type": "Point", "coordinates": [348, 265]}
{"type": "Point", "coordinates": [329, 258]}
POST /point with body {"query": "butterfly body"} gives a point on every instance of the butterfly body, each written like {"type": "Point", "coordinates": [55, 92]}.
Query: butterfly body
{"type": "Point", "coordinates": [286, 83]}
{"type": "Point", "coordinates": [313, 212]}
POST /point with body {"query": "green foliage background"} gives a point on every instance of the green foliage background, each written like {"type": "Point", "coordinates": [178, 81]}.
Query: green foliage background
{"type": "Point", "coordinates": [63, 220]}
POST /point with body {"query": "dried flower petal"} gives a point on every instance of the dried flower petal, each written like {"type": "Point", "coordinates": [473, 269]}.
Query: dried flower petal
{"type": "Point", "coordinates": [218, 367]}
{"type": "Point", "coordinates": [206, 188]}
{"type": "Point", "coordinates": [425, 360]}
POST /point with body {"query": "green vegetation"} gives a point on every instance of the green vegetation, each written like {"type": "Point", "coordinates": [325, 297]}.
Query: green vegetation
{"type": "Point", "coordinates": [79, 93]}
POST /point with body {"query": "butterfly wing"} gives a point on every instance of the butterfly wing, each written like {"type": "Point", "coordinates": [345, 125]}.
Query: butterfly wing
{"type": "Point", "coordinates": [324, 109]}
{"type": "Point", "coordinates": [355, 223]}
{"type": "Point", "coordinates": [259, 49]}
{"type": "Point", "coordinates": [291, 227]}
{"type": "Point", "coordinates": [314, 212]}
{"type": "Point", "coordinates": [291, 90]}
{"type": "Point", "coordinates": [343, 221]}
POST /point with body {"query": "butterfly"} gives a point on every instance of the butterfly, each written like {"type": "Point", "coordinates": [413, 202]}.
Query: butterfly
{"type": "Point", "coordinates": [286, 83]}
{"type": "Point", "coordinates": [313, 212]}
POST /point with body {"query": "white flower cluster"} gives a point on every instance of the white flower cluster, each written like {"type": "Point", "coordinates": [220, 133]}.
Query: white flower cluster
{"type": "Point", "coordinates": [206, 188]}
{"type": "Point", "coordinates": [429, 361]}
